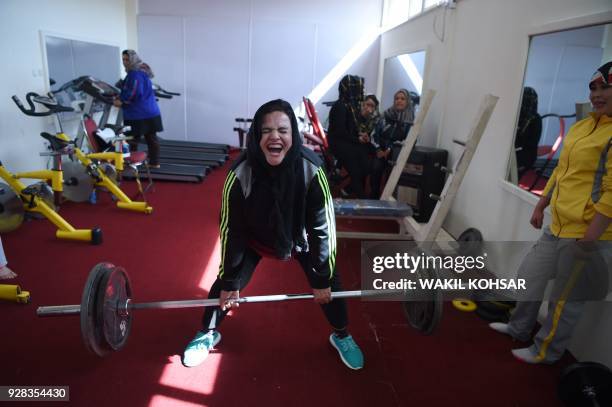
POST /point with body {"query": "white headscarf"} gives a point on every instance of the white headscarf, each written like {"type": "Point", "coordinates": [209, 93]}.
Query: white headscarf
{"type": "Point", "coordinates": [135, 63]}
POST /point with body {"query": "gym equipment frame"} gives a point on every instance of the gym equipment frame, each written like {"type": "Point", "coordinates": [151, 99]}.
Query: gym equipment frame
{"type": "Point", "coordinates": [91, 167]}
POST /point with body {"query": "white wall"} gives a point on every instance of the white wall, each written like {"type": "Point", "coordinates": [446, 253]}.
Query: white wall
{"type": "Point", "coordinates": [484, 50]}
{"type": "Point", "coordinates": [131, 13]}
{"type": "Point", "coordinates": [227, 58]}
{"type": "Point", "coordinates": [23, 66]}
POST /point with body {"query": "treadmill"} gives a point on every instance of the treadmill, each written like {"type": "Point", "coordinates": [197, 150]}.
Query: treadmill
{"type": "Point", "coordinates": [99, 91]}
{"type": "Point", "coordinates": [183, 144]}
{"type": "Point", "coordinates": [174, 172]}
{"type": "Point", "coordinates": [102, 91]}
{"type": "Point", "coordinates": [184, 158]}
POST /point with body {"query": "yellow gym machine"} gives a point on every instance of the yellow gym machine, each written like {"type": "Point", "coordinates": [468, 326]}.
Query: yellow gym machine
{"type": "Point", "coordinates": [14, 293]}
{"type": "Point", "coordinates": [16, 198]}
{"type": "Point", "coordinates": [90, 172]}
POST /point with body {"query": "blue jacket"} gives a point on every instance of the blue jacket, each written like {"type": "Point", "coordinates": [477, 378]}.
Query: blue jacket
{"type": "Point", "coordinates": [138, 97]}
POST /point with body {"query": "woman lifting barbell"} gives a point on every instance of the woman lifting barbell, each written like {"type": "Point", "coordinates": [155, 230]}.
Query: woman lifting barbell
{"type": "Point", "coordinates": [276, 203]}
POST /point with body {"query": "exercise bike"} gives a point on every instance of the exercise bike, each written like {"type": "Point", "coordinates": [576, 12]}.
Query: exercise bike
{"type": "Point", "coordinates": [87, 171]}
{"type": "Point", "coordinates": [16, 198]}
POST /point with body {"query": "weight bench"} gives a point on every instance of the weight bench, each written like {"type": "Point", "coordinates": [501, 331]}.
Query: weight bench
{"type": "Point", "coordinates": [370, 208]}
{"type": "Point", "coordinates": [388, 208]}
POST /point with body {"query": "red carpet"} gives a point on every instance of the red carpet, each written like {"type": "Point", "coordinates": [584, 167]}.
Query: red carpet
{"type": "Point", "coordinates": [274, 354]}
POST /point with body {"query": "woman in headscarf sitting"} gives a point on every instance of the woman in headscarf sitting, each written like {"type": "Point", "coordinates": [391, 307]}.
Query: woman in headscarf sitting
{"type": "Point", "coordinates": [351, 150]}
{"type": "Point", "coordinates": [368, 119]}
{"type": "Point", "coordinates": [140, 109]}
{"type": "Point", "coordinates": [528, 132]}
{"type": "Point", "coordinates": [277, 204]}
{"type": "Point", "coordinates": [392, 128]}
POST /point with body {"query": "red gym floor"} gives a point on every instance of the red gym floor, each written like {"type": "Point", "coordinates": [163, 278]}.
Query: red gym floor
{"type": "Point", "coordinates": [274, 354]}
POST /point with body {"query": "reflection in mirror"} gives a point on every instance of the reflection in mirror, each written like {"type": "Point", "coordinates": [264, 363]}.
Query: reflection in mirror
{"type": "Point", "coordinates": [555, 95]}
{"type": "Point", "coordinates": [68, 59]}
{"type": "Point", "coordinates": [403, 71]}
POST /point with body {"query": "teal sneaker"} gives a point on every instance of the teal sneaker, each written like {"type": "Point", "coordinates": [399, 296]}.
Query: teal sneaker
{"type": "Point", "coordinates": [349, 351]}
{"type": "Point", "coordinates": [197, 350]}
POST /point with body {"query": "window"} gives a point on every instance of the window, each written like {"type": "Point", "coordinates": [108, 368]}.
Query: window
{"type": "Point", "coordinates": [396, 12]}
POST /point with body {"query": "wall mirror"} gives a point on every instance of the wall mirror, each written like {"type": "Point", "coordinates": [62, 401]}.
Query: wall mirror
{"type": "Point", "coordinates": [68, 59]}
{"type": "Point", "coordinates": [402, 71]}
{"type": "Point", "coordinates": [555, 95]}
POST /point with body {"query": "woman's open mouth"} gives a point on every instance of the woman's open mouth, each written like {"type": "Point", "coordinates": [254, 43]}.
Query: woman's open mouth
{"type": "Point", "coordinates": [598, 104]}
{"type": "Point", "coordinates": [275, 148]}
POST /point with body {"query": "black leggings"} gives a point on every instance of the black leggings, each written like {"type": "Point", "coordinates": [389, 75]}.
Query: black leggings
{"type": "Point", "coordinates": [149, 129]}
{"type": "Point", "coordinates": [354, 158]}
{"type": "Point", "coordinates": [335, 311]}
{"type": "Point", "coordinates": [152, 147]}
{"type": "Point", "coordinates": [379, 166]}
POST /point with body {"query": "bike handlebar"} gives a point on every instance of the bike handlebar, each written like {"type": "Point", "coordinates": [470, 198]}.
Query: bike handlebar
{"type": "Point", "coordinates": [47, 102]}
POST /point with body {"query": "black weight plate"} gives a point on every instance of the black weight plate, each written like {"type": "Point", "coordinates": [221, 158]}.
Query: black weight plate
{"type": "Point", "coordinates": [493, 306]}
{"type": "Point", "coordinates": [584, 382]}
{"type": "Point", "coordinates": [90, 330]}
{"type": "Point", "coordinates": [494, 299]}
{"type": "Point", "coordinates": [470, 235]}
{"type": "Point", "coordinates": [507, 305]}
{"type": "Point", "coordinates": [470, 242]}
{"type": "Point", "coordinates": [11, 209]}
{"type": "Point", "coordinates": [114, 329]}
{"type": "Point", "coordinates": [492, 316]}
{"type": "Point", "coordinates": [425, 315]}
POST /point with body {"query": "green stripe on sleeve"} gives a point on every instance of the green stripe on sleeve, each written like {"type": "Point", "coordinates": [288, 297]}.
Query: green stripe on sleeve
{"type": "Point", "coordinates": [329, 216]}
{"type": "Point", "coordinates": [223, 229]}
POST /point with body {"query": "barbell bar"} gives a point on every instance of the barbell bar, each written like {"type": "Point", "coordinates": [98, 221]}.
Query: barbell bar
{"type": "Point", "coordinates": [127, 305]}
{"type": "Point", "coordinates": [106, 305]}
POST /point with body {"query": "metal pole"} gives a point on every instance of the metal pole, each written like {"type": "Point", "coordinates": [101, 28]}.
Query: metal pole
{"type": "Point", "coordinates": [64, 310]}
{"type": "Point", "coordinates": [215, 301]}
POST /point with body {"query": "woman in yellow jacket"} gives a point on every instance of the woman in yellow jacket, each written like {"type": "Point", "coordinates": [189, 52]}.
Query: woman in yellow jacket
{"type": "Point", "coordinates": [579, 192]}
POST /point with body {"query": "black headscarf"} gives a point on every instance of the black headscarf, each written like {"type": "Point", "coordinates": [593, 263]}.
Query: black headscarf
{"type": "Point", "coordinates": [350, 93]}
{"type": "Point", "coordinates": [529, 109]}
{"type": "Point", "coordinates": [278, 190]}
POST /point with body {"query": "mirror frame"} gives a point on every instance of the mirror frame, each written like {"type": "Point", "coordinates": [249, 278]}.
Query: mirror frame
{"type": "Point", "coordinates": [395, 53]}
{"type": "Point", "coordinates": [43, 46]}
{"type": "Point", "coordinates": [550, 28]}
{"type": "Point", "coordinates": [379, 94]}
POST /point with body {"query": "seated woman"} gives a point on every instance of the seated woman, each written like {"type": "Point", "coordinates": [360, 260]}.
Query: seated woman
{"type": "Point", "coordinates": [528, 132]}
{"type": "Point", "coordinates": [368, 119]}
{"type": "Point", "coordinates": [393, 127]}
{"type": "Point", "coordinates": [344, 140]}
